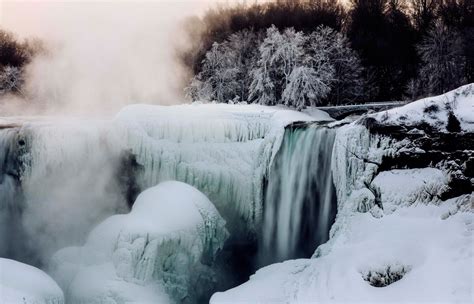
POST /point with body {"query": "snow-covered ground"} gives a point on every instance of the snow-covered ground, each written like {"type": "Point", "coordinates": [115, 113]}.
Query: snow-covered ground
{"type": "Point", "coordinates": [21, 283]}
{"type": "Point", "coordinates": [154, 254]}
{"type": "Point", "coordinates": [394, 239]}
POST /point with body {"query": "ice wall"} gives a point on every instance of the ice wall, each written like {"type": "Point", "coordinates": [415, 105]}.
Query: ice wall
{"type": "Point", "coordinates": [300, 201]}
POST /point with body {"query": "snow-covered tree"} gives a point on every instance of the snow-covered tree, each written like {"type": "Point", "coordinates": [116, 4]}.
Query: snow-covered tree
{"type": "Point", "coordinates": [305, 87]}
{"type": "Point", "coordinates": [280, 53]}
{"type": "Point", "coordinates": [218, 78]}
{"type": "Point", "coordinates": [332, 56]}
{"type": "Point", "coordinates": [262, 87]}
{"type": "Point", "coordinates": [243, 48]}
{"type": "Point", "coordinates": [11, 79]}
{"type": "Point", "coordinates": [289, 53]}
{"type": "Point", "coordinates": [309, 81]}
{"type": "Point", "coordinates": [348, 81]}
{"type": "Point", "coordinates": [198, 90]}
{"type": "Point", "coordinates": [443, 60]}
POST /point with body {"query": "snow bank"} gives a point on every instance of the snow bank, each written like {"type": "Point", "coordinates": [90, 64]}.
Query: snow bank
{"type": "Point", "coordinates": [434, 110]}
{"type": "Point", "coordinates": [21, 283]}
{"type": "Point", "coordinates": [162, 249]}
{"type": "Point", "coordinates": [223, 150]}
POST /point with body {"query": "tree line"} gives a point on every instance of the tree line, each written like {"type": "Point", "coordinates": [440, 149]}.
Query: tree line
{"type": "Point", "coordinates": [308, 52]}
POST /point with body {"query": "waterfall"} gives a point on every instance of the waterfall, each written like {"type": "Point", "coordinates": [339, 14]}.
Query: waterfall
{"type": "Point", "coordinates": [11, 199]}
{"type": "Point", "coordinates": [300, 201]}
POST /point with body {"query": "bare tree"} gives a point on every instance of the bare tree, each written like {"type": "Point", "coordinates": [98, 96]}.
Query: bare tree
{"type": "Point", "coordinates": [443, 60]}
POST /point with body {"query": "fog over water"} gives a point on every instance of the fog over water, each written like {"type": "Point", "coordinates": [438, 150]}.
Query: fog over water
{"type": "Point", "coordinates": [102, 54]}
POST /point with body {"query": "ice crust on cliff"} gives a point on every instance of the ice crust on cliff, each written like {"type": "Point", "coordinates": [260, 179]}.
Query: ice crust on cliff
{"type": "Point", "coordinates": [25, 284]}
{"type": "Point", "coordinates": [158, 253]}
{"type": "Point", "coordinates": [223, 150]}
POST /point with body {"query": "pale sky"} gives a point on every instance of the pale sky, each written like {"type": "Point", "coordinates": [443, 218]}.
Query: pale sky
{"type": "Point", "coordinates": [39, 16]}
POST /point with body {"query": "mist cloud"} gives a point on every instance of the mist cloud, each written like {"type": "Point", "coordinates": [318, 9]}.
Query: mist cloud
{"type": "Point", "coordinates": [102, 55]}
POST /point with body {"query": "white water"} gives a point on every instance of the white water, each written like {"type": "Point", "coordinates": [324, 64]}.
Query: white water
{"type": "Point", "coordinates": [300, 199]}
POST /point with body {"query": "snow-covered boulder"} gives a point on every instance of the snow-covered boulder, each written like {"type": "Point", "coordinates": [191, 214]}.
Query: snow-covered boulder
{"type": "Point", "coordinates": [162, 251]}
{"type": "Point", "coordinates": [25, 284]}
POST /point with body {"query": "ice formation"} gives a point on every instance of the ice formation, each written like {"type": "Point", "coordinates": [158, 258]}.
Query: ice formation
{"type": "Point", "coordinates": [300, 200]}
{"type": "Point", "coordinates": [161, 251]}
{"type": "Point", "coordinates": [61, 176]}
{"type": "Point", "coordinates": [21, 283]}
{"type": "Point", "coordinates": [223, 150]}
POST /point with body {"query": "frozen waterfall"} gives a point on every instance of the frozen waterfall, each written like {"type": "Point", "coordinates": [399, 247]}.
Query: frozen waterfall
{"type": "Point", "coordinates": [300, 201]}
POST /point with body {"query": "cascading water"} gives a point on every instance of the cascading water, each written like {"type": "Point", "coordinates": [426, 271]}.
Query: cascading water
{"type": "Point", "coordinates": [11, 201]}
{"type": "Point", "coordinates": [300, 201]}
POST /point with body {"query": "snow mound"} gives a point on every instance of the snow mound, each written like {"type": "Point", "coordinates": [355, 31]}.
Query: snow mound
{"type": "Point", "coordinates": [435, 110]}
{"type": "Point", "coordinates": [21, 283]}
{"type": "Point", "coordinates": [411, 255]}
{"type": "Point", "coordinates": [161, 250]}
{"type": "Point", "coordinates": [222, 150]}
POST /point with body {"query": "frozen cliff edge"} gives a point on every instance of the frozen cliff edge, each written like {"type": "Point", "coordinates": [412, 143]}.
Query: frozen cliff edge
{"type": "Point", "coordinates": [404, 228]}
{"type": "Point", "coordinates": [21, 283]}
{"type": "Point", "coordinates": [162, 251]}
{"type": "Point", "coordinates": [223, 150]}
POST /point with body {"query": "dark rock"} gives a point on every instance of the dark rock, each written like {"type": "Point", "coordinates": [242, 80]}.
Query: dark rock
{"type": "Point", "coordinates": [453, 123]}
{"type": "Point", "coordinates": [469, 167]}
